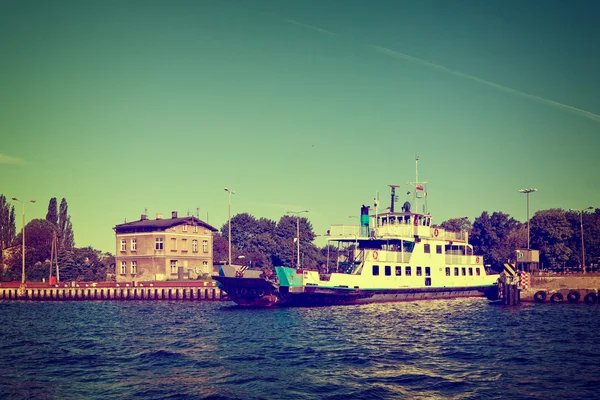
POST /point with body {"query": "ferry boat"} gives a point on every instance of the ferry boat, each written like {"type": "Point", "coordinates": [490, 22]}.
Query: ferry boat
{"type": "Point", "coordinates": [390, 256]}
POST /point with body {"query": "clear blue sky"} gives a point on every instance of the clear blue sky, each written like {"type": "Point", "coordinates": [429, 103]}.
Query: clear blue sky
{"type": "Point", "coordinates": [125, 105]}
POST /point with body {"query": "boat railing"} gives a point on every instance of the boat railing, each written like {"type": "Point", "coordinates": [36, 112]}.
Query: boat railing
{"type": "Point", "coordinates": [344, 231]}
{"type": "Point", "coordinates": [456, 259]}
{"type": "Point", "coordinates": [400, 230]}
{"type": "Point", "coordinates": [449, 235]}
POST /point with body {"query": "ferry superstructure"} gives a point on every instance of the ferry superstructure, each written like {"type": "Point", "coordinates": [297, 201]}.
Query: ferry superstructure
{"type": "Point", "coordinates": [389, 256]}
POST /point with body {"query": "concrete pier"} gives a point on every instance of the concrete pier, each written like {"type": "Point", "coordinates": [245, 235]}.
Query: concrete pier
{"type": "Point", "coordinates": [150, 291]}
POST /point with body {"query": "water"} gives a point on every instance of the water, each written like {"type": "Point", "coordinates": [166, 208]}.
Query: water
{"type": "Point", "coordinates": [458, 349]}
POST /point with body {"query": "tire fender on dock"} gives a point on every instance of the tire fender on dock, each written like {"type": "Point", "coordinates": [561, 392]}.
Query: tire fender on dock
{"type": "Point", "coordinates": [556, 298]}
{"type": "Point", "coordinates": [539, 296]}
{"type": "Point", "coordinates": [573, 296]}
{"type": "Point", "coordinates": [590, 298]}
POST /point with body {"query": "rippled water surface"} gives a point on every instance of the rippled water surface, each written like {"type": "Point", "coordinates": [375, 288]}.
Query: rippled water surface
{"type": "Point", "coordinates": [463, 349]}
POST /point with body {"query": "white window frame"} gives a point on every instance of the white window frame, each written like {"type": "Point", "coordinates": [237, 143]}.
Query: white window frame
{"type": "Point", "coordinates": [134, 268]}
{"type": "Point", "coordinates": [205, 246]}
{"type": "Point", "coordinates": [195, 228]}
{"type": "Point", "coordinates": [159, 244]}
{"type": "Point", "coordinates": [184, 228]}
{"type": "Point", "coordinates": [173, 267]}
{"type": "Point", "coordinates": [123, 245]}
{"type": "Point", "coordinates": [195, 245]}
{"type": "Point", "coordinates": [123, 267]}
{"type": "Point", "coordinates": [133, 244]}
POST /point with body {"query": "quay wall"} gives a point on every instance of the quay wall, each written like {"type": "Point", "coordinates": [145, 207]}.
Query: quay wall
{"type": "Point", "coordinates": [183, 291]}
{"type": "Point", "coordinates": [576, 288]}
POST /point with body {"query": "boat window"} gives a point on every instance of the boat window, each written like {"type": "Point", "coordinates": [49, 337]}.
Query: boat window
{"type": "Point", "coordinates": [427, 271]}
{"type": "Point", "coordinates": [375, 270]}
{"type": "Point", "coordinates": [447, 271]}
{"type": "Point", "coordinates": [427, 281]}
{"type": "Point", "coordinates": [477, 271]}
{"type": "Point", "coordinates": [399, 270]}
{"type": "Point", "coordinates": [427, 248]}
{"type": "Point", "coordinates": [471, 271]}
{"type": "Point", "coordinates": [464, 271]}
{"type": "Point", "coordinates": [428, 221]}
{"type": "Point", "coordinates": [438, 249]}
{"type": "Point", "coordinates": [419, 271]}
{"type": "Point", "coordinates": [455, 271]}
{"type": "Point", "coordinates": [388, 270]}
{"type": "Point", "coordinates": [408, 271]}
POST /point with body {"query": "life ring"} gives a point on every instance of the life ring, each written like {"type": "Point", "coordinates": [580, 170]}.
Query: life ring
{"type": "Point", "coordinates": [375, 254]}
{"type": "Point", "coordinates": [556, 298]}
{"type": "Point", "coordinates": [590, 298]}
{"type": "Point", "coordinates": [260, 293]}
{"type": "Point", "coordinates": [573, 296]}
{"type": "Point", "coordinates": [436, 232]}
{"type": "Point", "coordinates": [539, 296]}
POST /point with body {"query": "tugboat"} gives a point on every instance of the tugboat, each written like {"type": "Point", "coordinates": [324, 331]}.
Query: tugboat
{"type": "Point", "coordinates": [390, 256]}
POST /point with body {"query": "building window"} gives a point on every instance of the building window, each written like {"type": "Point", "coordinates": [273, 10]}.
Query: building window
{"type": "Point", "coordinates": [398, 270]}
{"type": "Point", "coordinates": [464, 271]}
{"type": "Point", "coordinates": [123, 245]}
{"type": "Point", "coordinates": [427, 248]}
{"type": "Point", "coordinates": [427, 271]}
{"type": "Point", "coordinates": [419, 271]}
{"type": "Point", "coordinates": [427, 281]}
{"type": "Point", "coordinates": [375, 270]}
{"type": "Point", "coordinates": [184, 245]}
{"type": "Point", "coordinates": [471, 271]}
{"type": "Point", "coordinates": [195, 228]}
{"type": "Point", "coordinates": [159, 244]}
{"type": "Point", "coordinates": [173, 267]}
{"type": "Point", "coordinates": [438, 249]}
{"type": "Point", "coordinates": [388, 270]}
{"type": "Point", "coordinates": [205, 246]}
{"type": "Point", "coordinates": [133, 267]}
{"type": "Point", "coordinates": [195, 245]}
{"type": "Point", "coordinates": [205, 266]}
{"type": "Point", "coordinates": [133, 244]}
{"type": "Point", "coordinates": [123, 267]}
{"type": "Point", "coordinates": [408, 271]}
{"type": "Point", "coordinates": [184, 228]}
{"type": "Point", "coordinates": [173, 244]}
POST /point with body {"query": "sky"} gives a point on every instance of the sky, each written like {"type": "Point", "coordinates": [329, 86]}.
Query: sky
{"type": "Point", "coordinates": [127, 106]}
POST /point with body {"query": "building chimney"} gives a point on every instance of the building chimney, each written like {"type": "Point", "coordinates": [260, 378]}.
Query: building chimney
{"type": "Point", "coordinates": [143, 217]}
{"type": "Point", "coordinates": [158, 216]}
{"type": "Point", "coordinates": [173, 214]}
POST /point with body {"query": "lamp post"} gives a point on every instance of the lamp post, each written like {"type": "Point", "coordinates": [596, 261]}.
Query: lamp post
{"type": "Point", "coordinates": [229, 220]}
{"type": "Point", "coordinates": [298, 233]}
{"type": "Point", "coordinates": [23, 237]}
{"type": "Point", "coordinates": [581, 225]}
{"type": "Point", "coordinates": [527, 191]}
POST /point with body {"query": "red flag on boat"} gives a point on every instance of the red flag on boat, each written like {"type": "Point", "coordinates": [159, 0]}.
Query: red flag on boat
{"type": "Point", "coordinates": [419, 187]}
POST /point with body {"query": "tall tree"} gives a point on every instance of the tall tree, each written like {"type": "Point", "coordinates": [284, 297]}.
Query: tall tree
{"type": "Point", "coordinates": [490, 237]}
{"type": "Point", "coordinates": [52, 215]}
{"type": "Point", "coordinates": [7, 224]}
{"type": "Point", "coordinates": [457, 224]}
{"type": "Point", "coordinates": [550, 233]}
{"type": "Point", "coordinates": [65, 228]}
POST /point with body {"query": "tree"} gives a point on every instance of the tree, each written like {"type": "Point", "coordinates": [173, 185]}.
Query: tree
{"type": "Point", "coordinates": [457, 224]}
{"type": "Point", "coordinates": [550, 233]}
{"type": "Point", "coordinates": [67, 240]}
{"type": "Point", "coordinates": [52, 215]}
{"type": "Point", "coordinates": [490, 237]}
{"type": "Point", "coordinates": [7, 225]}
{"type": "Point", "coordinates": [220, 248]}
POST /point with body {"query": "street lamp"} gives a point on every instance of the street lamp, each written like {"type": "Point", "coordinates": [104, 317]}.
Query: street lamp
{"type": "Point", "coordinates": [229, 220]}
{"type": "Point", "coordinates": [582, 244]}
{"type": "Point", "coordinates": [298, 233]}
{"type": "Point", "coordinates": [23, 236]}
{"type": "Point", "coordinates": [527, 191]}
